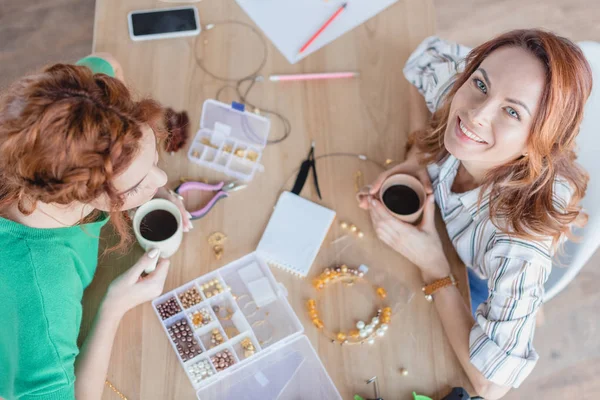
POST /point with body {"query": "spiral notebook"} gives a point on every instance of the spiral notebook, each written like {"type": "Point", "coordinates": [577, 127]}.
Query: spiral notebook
{"type": "Point", "coordinates": [295, 234]}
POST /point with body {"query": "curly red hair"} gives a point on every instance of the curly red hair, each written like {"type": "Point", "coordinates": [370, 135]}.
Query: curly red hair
{"type": "Point", "coordinates": [523, 188]}
{"type": "Point", "coordinates": [65, 134]}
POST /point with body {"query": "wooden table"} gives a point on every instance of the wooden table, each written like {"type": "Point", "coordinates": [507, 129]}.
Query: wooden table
{"type": "Point", "coordinates": [371, 115]}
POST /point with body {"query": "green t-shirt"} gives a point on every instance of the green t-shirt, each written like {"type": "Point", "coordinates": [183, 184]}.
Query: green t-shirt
{"type": "Point", "coordinates": [97, 65]}
{"type": "Point", "coordinates": [43, 273]}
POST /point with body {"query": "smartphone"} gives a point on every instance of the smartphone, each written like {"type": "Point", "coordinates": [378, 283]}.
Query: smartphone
{"type": "Point", "coordinates": [164, 23]}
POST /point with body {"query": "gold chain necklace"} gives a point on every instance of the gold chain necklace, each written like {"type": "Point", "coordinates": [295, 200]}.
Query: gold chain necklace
{"type": "Point", "coordinates": [114, 389]}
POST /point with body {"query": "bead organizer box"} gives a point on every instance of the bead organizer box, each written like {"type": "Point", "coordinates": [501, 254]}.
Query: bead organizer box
{"type": "Point", "coordinates": [230, 140]}
{"type": "Point", "coordinates": [244, 338]}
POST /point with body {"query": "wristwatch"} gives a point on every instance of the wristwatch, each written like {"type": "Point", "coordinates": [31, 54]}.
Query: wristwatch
{"type": "Point", "coordinates": [429, 290]}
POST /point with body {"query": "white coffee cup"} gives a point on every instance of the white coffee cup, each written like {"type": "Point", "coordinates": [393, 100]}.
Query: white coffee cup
{"type": "Point", "coordinates": [169, 246]}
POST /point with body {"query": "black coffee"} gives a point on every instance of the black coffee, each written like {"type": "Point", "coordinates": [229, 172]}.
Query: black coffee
{"type": "Point", "coordinates": [401, 199]}
{"type": "Point", "coordinates": [158, 225]}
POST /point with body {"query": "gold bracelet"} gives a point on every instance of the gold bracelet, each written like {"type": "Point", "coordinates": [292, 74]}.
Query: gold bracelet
{"type": "Point", "coordinates": [364, 332]}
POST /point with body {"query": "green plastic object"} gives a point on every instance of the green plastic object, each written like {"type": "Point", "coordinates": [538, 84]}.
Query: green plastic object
{"type": "Point", "coordinates": [357, 397]}
{"type": "Point", "coordinates": [420, 397]}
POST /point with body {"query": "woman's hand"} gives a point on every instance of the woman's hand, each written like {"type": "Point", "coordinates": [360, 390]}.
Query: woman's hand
{"type": "Point", "coordinates": [410, 167]}
{"type": "Point", "coordinates": [420, 244]}
{"type": "Point", "coordinates": [164, 193]}
{"type": "Point", "coordinates": [129, 289]}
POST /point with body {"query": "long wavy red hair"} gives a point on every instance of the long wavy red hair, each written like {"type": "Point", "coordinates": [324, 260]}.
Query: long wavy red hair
{"type": "Point", "coordinates": [65, 134]}
{"type": "Point", "coordinates": [522, 190]}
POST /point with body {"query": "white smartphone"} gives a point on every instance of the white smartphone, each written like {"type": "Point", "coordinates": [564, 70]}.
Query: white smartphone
{"type": "Point", "coordinates": [164, 23]}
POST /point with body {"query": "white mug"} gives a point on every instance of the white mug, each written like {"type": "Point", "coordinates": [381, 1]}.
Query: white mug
{"type": "Point", "coordinates": [169, 246]}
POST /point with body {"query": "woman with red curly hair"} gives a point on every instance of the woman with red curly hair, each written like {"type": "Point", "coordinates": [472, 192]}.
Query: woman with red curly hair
{"type": "Point", "coordinates": [498, 158]}
{"type": "Point", "coordinates": [76, 150]}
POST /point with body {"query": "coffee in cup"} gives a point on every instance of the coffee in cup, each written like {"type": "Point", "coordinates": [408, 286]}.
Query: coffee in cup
{"type": "Point", "coordinates": [157, 224]}
{"type": "Point", "coordinates": [403, 196]}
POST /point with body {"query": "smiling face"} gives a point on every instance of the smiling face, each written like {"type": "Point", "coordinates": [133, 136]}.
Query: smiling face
{"type": "Point", "coordinates": [141, 179]}
{"type": "Point", "coordinates": [492, 112]}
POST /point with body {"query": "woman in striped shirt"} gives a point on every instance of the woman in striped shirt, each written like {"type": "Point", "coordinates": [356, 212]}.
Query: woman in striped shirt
{"type": "Point", "coordinates": [498, 158]}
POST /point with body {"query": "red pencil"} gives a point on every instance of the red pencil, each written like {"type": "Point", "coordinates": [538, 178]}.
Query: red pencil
{"type": "Point", "coordinates": [329, 21]}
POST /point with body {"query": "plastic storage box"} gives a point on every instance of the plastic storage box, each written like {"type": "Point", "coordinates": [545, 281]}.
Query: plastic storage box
{"type": "Point", "coordinates": [284, 364]}
{"type": "Point", "coordinates": [230, 140]}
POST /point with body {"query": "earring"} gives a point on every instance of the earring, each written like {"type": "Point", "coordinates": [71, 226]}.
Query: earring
{"type": "Point", "coordinates": [253, 313]}
{"type": "Point", "coordinates": [271, 331]}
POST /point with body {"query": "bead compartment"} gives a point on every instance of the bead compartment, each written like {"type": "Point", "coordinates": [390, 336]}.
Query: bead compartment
{"type": "Point", "coordinates": [279, 313]}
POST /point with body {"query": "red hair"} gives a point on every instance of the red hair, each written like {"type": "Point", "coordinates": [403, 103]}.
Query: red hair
{"type": "Point", "coordinates": [65, 134]}
{"type": "Point", "coordinates": [522, 190]}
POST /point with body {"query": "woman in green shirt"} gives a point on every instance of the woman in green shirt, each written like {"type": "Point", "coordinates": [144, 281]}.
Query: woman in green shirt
{"type": "Point", "coordinates": [75, 152]}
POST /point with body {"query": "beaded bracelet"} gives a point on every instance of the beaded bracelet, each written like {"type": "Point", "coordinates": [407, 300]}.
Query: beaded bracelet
{"type": "Point", "coordinates": [364, 332]}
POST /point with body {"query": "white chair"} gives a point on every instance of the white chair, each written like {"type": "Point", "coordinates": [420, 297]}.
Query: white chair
{"type": "Point", "coordinates": [576, 254]}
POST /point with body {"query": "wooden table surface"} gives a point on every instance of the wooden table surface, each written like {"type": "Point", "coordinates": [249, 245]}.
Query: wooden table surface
{"type": "Point", "coordinates": [371, 115]}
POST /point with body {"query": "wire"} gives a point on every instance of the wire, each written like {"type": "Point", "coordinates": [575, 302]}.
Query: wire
{"type": "Point", "coordinates": [361, 157]}
{"type": "Point", "coordinates": [236, 83]}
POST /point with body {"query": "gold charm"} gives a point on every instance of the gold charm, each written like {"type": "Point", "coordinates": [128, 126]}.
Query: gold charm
{"type": "Point", "coordinates": [218, 252]}
{"type": "Point", "coordinates": [217, 238]}
{"type": "Point", "coordinates": [358, 180]}
{"type": "Point", "coordinates": [248, 347]}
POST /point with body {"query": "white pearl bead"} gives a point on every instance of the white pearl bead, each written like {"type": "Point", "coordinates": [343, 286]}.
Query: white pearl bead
{"type": "Point", "coordinates": [380, 332]}
{"type": "Point", "coordinates": [384, 327]}
{"type": "Point", "coordinates": [375, 321]}
{"type": "Point", "coordinates": [371, 341]}
{"type": "Point", "coordinates": [360, 325]}
{"type": "Point", "coordinates": [363, 333]}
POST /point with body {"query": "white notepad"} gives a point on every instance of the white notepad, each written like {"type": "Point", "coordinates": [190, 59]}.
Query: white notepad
{"type": "Point", "coordinates": [295, 233]}
{"type": "Point", "coordinates": [289, 24]}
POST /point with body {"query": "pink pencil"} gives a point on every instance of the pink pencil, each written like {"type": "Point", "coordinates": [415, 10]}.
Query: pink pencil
{"type": "Point", "coordinates": [329, 21]}
{"type": "Point", "coordinates": [312, 77]}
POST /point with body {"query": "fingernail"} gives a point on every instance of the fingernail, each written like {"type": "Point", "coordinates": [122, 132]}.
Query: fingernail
{"type": "Point", "coordinates": [189, 215]}
{"type": "Point", "coordinates": [153, 253]}
{"type": "Point", "coordinates": [191, 225]}
{"type": "Point", "coordinates": [180, 197]}
{"type": "Point", "coordinates": [186, 229]}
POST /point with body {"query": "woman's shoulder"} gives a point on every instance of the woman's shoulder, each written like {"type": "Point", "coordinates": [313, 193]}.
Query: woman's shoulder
{"type": "Point", "coordinates": [432, 66]}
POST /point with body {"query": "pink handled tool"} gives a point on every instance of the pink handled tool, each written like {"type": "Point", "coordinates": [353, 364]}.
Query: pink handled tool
{"type": "Point", "coordinates": [312, 77]}
{"type": "Point", "coordinates": [222, 190]}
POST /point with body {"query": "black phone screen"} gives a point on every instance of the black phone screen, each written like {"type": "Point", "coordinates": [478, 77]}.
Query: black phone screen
{"type": "Point", "coordinates": [156, 22]}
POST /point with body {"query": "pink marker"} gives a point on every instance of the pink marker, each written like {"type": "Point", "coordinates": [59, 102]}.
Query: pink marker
{"type": "Point", "coordinates": [312, 77]}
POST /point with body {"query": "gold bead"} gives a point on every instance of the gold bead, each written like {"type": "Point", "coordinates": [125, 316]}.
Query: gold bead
{"type": "Point", "coordinates": [403, 371]}
{"type": "Point", "coordinates": [361, 234]}
{"type": "Point", "coordinates": [318, 323]}
{"type": "Point", "coordinates": [311, 304]}
{"type": "Point", "coordinates": [195, 154]}
{"type": "Point", "coordinates": [387, 310]}
{"type": "Point", "coordinates": [354, 333]}
{"type": "Point", "coordinates": [381, 292]}
{"type": "Point", "coordinates": [341, 337]}
{"type": "Point", "coordinates": [353, 228]}
{"type": "Point", "coordinates": [344, 225]}
{"type": "Point", "coordinates": [344, 269]}
{"type": "Point", "coordinates": [313, 314]}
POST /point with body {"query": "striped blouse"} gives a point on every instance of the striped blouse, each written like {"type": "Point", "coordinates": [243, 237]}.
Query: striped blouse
{"type": "Point", "coordinates": [516, 270]}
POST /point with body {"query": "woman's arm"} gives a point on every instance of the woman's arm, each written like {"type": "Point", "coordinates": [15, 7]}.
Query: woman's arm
{"type": "Point", "coordinates": [124, 293]}
{"type": "Point", "coordinates": [421, 245]}
{"type": "Point", "coordinates": [457, 322]}
{"type": "Point", "coordinates": [91, 365]}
